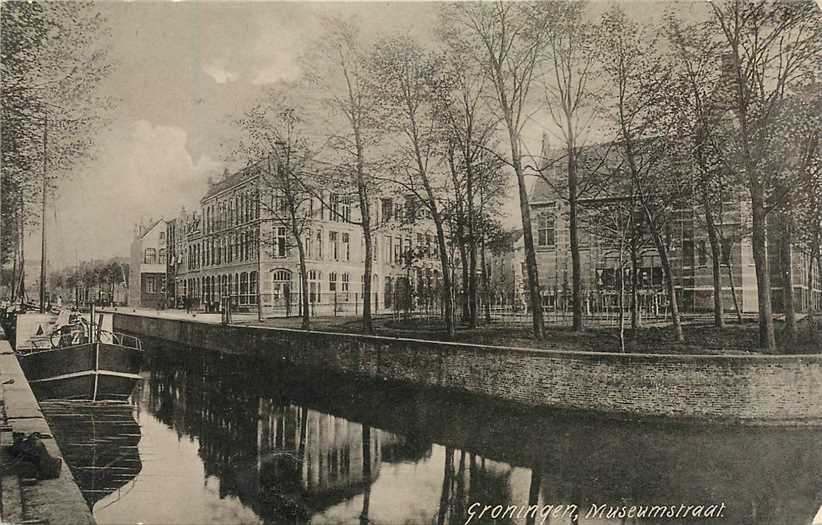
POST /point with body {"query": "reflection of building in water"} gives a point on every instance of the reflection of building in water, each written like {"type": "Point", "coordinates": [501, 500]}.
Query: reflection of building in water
{"type": "Point", "coordinates": [339, 456]}
{"type": "Point", "coordinates": [277, 458]}
{"type": "Point", "coordinates": [253, 429]}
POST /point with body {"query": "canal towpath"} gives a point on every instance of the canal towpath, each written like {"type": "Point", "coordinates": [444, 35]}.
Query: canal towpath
{"type": "Point", "coordinates": [22, 499]}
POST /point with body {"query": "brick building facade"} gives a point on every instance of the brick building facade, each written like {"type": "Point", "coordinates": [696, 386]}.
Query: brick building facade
{"type": "Point", "coordinates": [235, 246]}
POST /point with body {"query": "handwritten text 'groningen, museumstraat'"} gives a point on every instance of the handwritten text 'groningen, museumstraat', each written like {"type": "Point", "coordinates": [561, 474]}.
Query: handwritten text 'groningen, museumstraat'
{"type": "Point", "coordinates": [477, 511]}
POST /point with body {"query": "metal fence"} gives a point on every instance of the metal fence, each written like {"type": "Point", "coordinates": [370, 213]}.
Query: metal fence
{"type": "Point", "coordinates": [600, 308]}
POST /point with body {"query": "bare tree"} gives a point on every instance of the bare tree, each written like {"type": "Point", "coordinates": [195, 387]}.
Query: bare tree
{"type": "Point", "coordinates": [338, 68]}
{"type": "Point", "coordinates": [797, 138]}
{"type": "Point", "coordinates": [697, 101]}
{"type": "Point", "coordinates": [274, 131]}
{"type": "Point", "coordinates": [613, 221]}
{"type": "Point", "coordinates": [638, 80]}
{"type": "Point", "coordinates": [469, 128]}
{"type": "Point", "coordinates": [570, 97]}
{"type": "Point", "coordinates": [407, 87]}
{"type": "Point", "coordinates": [771, 46]}
{"type": "Point", "coordinates": [506, 40]}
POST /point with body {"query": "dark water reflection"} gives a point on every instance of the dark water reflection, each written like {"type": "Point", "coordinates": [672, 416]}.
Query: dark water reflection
{"type": "Point", "coordinates": [227, 439]}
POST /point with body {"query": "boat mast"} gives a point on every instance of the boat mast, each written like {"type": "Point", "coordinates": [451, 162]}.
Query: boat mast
{"type": "Point", "coordinates": [43, 217]}
{"type": "Point", "coordinates": [22, 284]}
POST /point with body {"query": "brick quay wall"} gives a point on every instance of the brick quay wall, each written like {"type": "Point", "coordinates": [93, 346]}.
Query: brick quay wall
{"type": "Point", "coordinates": [732, 389]}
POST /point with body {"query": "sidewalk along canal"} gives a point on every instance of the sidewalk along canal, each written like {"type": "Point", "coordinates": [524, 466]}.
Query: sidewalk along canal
{"type": "Point", "coordinates": [26, 500]}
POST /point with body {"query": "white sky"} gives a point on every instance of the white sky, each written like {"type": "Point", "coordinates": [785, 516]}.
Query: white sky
{"type": "Point", "coordinates": [182, 69]}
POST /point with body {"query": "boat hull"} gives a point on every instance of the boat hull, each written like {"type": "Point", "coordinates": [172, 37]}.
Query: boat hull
{"type": "Point", "coordinates": [95, 371]}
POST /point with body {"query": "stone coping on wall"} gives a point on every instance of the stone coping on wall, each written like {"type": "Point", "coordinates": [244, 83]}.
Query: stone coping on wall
{"type": "Point", "coordinates": [547, 352]}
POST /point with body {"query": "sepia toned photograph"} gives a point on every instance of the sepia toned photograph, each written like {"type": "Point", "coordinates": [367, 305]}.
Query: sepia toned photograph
{"type": "Point", "coordinates": [411, 263]}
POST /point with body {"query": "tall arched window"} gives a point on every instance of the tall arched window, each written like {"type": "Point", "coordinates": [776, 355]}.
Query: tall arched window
{"type": "Point", "coordinates": [345, 285]}
{"type": "Point", "coordinates": [388, 292]}
{"type": "Point", "coordinates": [314, 285]}
{"type": "Point", "coordinates": [244, 288]}
{"type": "Point", "coordinates": [280, 287]}
{"type": "Point", "coordinates": [252, 288]}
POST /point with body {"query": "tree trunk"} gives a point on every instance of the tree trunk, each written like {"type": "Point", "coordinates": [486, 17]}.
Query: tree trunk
{"type": "Point", "coordinates": [485, 290]}
{"type": "Point", "coordinates": [737, 308]}
{"type": "Point", "coordinates": [13, 282]}
{"type": "Point", "coordinates": [811, 310]}
{"type": "Point", "coordinates": [767, 341]}
{"type": "Point", "coordinates": [528, 237]}
{"type": "Point", "coordinates": [533, 494]}
{"type": "Point", "coordinates": [818, 277]}
{"type": "Point", "coordinates": [472, 285]}
{"type": "Point", "coordinates": [365, 222]}
{"type": "Point", "coordinates": [466, 307]}
{"type": "Point", "coordinates": [634, 292]}
{"type": "Point", "coordinates": [716, 255]}
{"type": "Point", "coordinates": [447, 477]}
{"type": "Point", "coordinates": [661, 249]}
{"type": "Point", "coordinates": [669, 279]}
{"type": "Point", "coordinates": [621, 305]}
{"type": "Point", "coordinates": [472, 253]}
{"type": "Point", "coordinates": [576, 272]}
{"type": "Point", "coordinates": [787, 281]}
{"type": "Point", "coordinates": [306, 322]}
{"type": "Point", "coordinates": [303, 433]}
{"type": "Point", "coordinates": [366, 472]}
{"type": "Point", "coordinates": [447, 285]}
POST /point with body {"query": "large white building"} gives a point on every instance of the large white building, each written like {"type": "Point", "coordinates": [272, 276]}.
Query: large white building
{"type": "Point", "coordinates": [235, 246]}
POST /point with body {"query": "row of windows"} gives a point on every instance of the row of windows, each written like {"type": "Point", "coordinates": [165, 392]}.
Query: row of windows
{"type": "Point", "coordinates": [340, 284]}
{"type": "Point", "coordinates": [335, 246]}
{"type": "Point", "coordinates": [240, 286]}
{"type": "Point", "coordinates": [233, 211]}
{"type": "Point", "coordinates": [406, 211]}
{"type": "Point", "coordinates": [238, 246]}
{"type": "Point", "coordinates": [150, 256]}
{"type": "Point", "coordinates": [337, 208]}
{"type": "Point", "coordinates": [154, 283]}
{"type": "Point", "coordinates": [339, 246]}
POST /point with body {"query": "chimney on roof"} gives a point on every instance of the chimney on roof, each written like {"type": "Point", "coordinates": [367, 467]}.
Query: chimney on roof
{"type": "Point", "coordinates": [727, 78]}
{"type": "Point", "coordinates": [546, 150]}
{"type": "Point", "coordinates": [728, 65]}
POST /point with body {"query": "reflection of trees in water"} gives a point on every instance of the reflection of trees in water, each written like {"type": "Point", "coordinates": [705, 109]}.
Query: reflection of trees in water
{"type": "Point", "coordinates": [282, 460]}
{"type": "Point", "coordinates": [469, 479]}
{"type": "Point", "coordinates": [771, 476]}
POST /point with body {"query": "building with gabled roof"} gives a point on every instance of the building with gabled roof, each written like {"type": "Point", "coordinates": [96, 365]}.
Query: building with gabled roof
{"type": "Point", "coordinates": [147, 270]}
{"type": "Point", "coordinates": [686, 234]}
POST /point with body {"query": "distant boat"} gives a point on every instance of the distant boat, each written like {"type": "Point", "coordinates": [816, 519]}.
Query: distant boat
{"type": "Point", "coordinates": [72, 358]}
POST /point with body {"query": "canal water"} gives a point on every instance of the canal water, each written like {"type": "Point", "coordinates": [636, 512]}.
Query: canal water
{"type": "Point", "coordinates": [226, 439]}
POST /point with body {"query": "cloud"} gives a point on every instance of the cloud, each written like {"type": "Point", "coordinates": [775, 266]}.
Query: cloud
{"type": "Point", "coordinates": [143, 171]}
{"type": "Point", "coordinates": [219, 72]}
